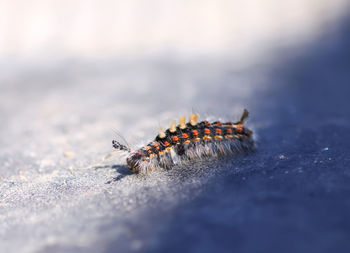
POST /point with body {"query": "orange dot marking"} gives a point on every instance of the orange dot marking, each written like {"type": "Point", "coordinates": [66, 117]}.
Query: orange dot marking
{"type": "Point", "coordinates": [206, 130]}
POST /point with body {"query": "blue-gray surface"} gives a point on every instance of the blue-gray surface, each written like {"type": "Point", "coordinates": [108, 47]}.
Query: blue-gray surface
{"type": "Point", "coordinates": [292, 195]}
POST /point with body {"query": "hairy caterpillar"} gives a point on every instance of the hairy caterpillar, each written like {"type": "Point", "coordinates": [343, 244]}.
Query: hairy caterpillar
{"type": "Point", "coordinates": [190, 142]}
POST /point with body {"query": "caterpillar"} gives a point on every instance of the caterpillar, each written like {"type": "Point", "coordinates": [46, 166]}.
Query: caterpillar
{"type": "Point", "coordinates": [189, 142]}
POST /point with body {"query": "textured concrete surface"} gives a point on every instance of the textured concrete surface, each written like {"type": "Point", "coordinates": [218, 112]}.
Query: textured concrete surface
{"type": "Point", "coordinates": [292, 195]}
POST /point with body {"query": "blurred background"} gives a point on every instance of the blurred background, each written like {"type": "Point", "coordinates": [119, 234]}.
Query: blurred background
{"type": "Point", "coordinates": [105, 29]}
{"type": "Point", "coordinates": [75, 73]}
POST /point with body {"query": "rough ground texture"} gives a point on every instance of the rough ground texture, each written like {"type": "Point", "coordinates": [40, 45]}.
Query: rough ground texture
{"type": "Point", "coordinates": [292, 195]}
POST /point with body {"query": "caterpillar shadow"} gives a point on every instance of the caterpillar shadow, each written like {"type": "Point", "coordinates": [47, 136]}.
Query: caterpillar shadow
{"type": "Point", "coordinates": [121, 169]}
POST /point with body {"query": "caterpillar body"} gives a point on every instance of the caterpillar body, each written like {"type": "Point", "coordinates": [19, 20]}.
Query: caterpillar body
{"type": "Point", "coordinates": [190, 142]}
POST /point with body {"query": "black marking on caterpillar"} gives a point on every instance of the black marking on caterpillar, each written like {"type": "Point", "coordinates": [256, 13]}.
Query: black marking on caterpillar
{"type": "Point", "coordinates": [188, 142]}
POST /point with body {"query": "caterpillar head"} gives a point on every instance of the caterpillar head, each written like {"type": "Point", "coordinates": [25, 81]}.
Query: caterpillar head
{"type": "Point", "coordinates": [119, 146]}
